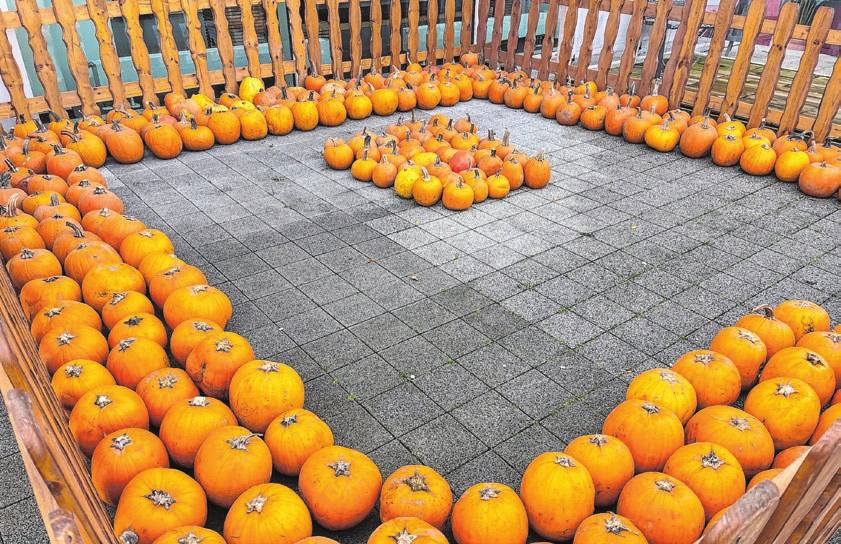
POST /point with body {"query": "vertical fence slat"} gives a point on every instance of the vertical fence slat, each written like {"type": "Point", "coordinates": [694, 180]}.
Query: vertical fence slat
{"type": "Point", "coordinates": [771, 73]}
{"type": "Point", "coordinates": [655, 43]}
{"type": "Point", "coordinates": [830, 103]}
{"type": "Point", "coordinates": [336, 50]}
{"type": "Point", "coordinates": [169, 51]}
{"type": "Point", "coordinates": [293, 8]}
{"type": "Point", "coordinates": [224, 46]}
{"type": "Point", "coordinates": [108, 57]}
{"type": "Point", "coordinates": [632, 40]}
{"type": "Point", "coordinates": [139, 52]}
{"type": "Point", "coordinates": [611, 31]}
{"type": "Point", "coordinates": [77, 62]}
{"type": "Point", "coordinates": [10, 73]}
{"type": "Point", "coordinates": [496, 35]}
{"type": "Point", "coordinates": [680, 62]}
{"type": "Point", "coordinates": [815, 41]}
{"type": "Point", "coordinates": [198, 49]}
{"type": "Point", "coordinates": [275, 41]}
{"type": "Point", "coordinates": [549, 29]}
{"type": "Point", "coordinates": [565, 49]}
{"type": "Point", "coordinates": [396, 21]}
{"type": "Point", "coordinates": [313, 43]}
{"type": "Point", "coordinates": [249, 39]}
{"type": "Point", "coordinates": [723, 19]}
{"type": "Point", "coordinates": [513, 33]}
{"type": "Point", "coordinates": [31, 21]}
{"type": "Point", "coordinates": [432, 32]}
{"type": "Point", "coordinates": [739, 71]}
{"type": "Point", "coordinates": [531, 35]}
{"type": "Point", "coordinates": [482, 26]}
{"type": "Point", "coordinates": [376, 34]}
{"type": "Point", "coordinates": [355, 16]}
{"type": "Point", "coordinates": [414, 20]}
{"type": "Point", "coordinates": [466, 24]}
{"type": "Point", "coordinates": [585, 54]}
{"type": "Point", "coordinates": [449, 30]}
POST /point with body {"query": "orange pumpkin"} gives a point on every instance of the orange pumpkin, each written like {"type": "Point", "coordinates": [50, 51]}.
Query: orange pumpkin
{"type": "Point", "coordinates": [803, 364]}
{"type": "Point", "coordinates": [407, 529]}
{"type": "Point", "coordinates": [262, 390]}
{"type": "Point", "coordinates": [789, 456]}
{"type": "Point", "coordinates": [490, 513]}
{"type": "Point", "coordinates": [740, 433]}
{"type": "Point", "coordinates": [666, 510]}
{"type": "Point", "coordinates": [608, 529]}
{"type": "Point", "coordinates": [268, 514]}
{"type": "Point", "coordinates": [769, 474]}
{"type": "Point", "coordinates": [651, 433]}
{"type": "Point", "coordinates": [121, 456]}
{"type": "Point", "coordinates": [186, 425]}
{"type": "Point", "coordinates": [419, 492]}
{"type": "Point", "coordinates": [69, 342]}
{"type": "Point", "coordinates": [77, 377]}
{"type": "Point", "coordinates": [105, 410]}
{"type": "Point", "coordinates": [667, 389]}
{"type": "Point", "coordinates": [609, 462]}
{"type": "Point", "coordinates": [293, 436]}
{"type": "Point", "coordinates": [144, 325]}
{"type": "Point", "coordinates": [168, 282]}
{"type": "Point", "coordinates": [802, 316]}
{"type": "Point", "coordinates": [138, 245]}
{"type": "Point", "coordinates": [103, 281]}
{"type": "Point", "coordinates": [714, 377]}
{"type": "Point", "coordinates": [125, 304]}
{"type": "Point", "coordinates": [774, 333]}
{"type": "Point", "coordinates": [214, 360]}
{"type": "Point", "coordinates": [190, 534]}
{"type": "Point", "coordinates": [828, 346]}
{"type": "Point", "coordinates": [789, 408]}
{"type": "Point", "coordinates": [32, 264]}
{"type": "Point", "coordinates": [744, 349]}
{"type": "Point", "coordinates": [188, 334]}
{"type": "Point", "coordinates": [65, 314]}
{"type": "Point", "coordinates": [134, 358]}
{"type": "Point", "coordinates": [825, 421]}
{"type": "Point", "coordinates": [197, 302]}
{"type": "Point", "coordinates": [162, 389]}
{"type": "Point", "coordinates": [48, 292]}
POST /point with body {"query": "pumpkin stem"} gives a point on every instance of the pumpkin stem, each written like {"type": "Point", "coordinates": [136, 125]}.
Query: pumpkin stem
{"type": "Point", "coordinates": [116, 298]}
{"type": "Point", "coordinates": [288, 421]}
{"type": "Point", "coordinates": [598, 440]}
{"type": "Point", "coordinates": [77, 230]}
{"type": "Point", "coordinates": [256, 504]}
{"type": "Point", "coordinates": [196, 289]}
{"type": "Point", "coordinates": [665, 485]}
{"type": "Point", "coordinates": [73, 371]}
{"type": "Point", "coordinates": [786, 389]}
{"type": "Point", "coordinates": [190, 538]}
{"type": "Point", "coordinates": [129, 537]}
{"type": "Point", "coordinates": [241, 442]}
{"type": "Point", "coordinates": [224, 345]}
{"type": "Point", "coordinates": [121, 442]}
{"type": "Point", "coordinates": [269, 366]}
{"type": "Point", "coordinates": [615, 526]}
{"type": "Point", "coordinates": [704, 358]}
{"type": "Point", "coordinates": [102, 401]}
{"type": "Point", "coordinates": [126, 343]}
{"type": "Point", "coordinates": [161, 498]}
{"type": "Point", "coordinates": [200, 402]}
{"type": "Point", "coordinates": [26, 254]}
{"type": "Point", "coordinates": [815, 359]}
{"type": "Point", "coordinates": [565, 461]}
{"type": "Point", "coordinates": [765, 310]}
{"type": "Point", "coordinates": [416, 482]}
{"type": "Point", "coordinates": [167, 381]}
{"type": "Point", "coordinates": [650, 408]}
{"type": "Point", "coordinates": [488, 493]}
{"type": "Point", "coordinates": [341, 468]}
{"type": "Point", "coordinates": [712, 461]}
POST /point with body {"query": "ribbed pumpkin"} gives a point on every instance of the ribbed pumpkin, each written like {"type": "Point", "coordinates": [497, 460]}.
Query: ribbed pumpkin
{"type": "Point", "coordinates": [268, 514]}
{"type": "Point", "coordinates": [162, 389]}
{"type": "Point", "coordinates": [121, 456]}
{"type": "Point", "coordinates": [134, 358]}
{"type": "Point", "coordinates": [125, 304]}
{"type": "Point", "coordinates": [825, 421]}
{"type": "Point", "coordinates": [805, 365]}
{"type": "Point", "coordinates": [608, 529]}
{"type": "Point", "coordinates": [214, 361]}
{"type": "Point", "coordinates": [68, 241]}
{"type": "Point", "coordinates": [802, 316]}
{"type": "Point", "coordinates": [490, 513]}
{"type": "Point", "coordinates": [48, 292]}
{"type": "Point", "coordinates": [651, 433]}
{"type": "Point", "coordinates": [188, 334]}
{"type": "Point", "coordinates": [666, 510]}
{"type": "Point", "coordinates": [197, 302]}
{"type": "Point", "coordinates": [758, 160]}
{"type": "Point", "coordinates": [87, 256]}
{"type": "Point", "coordinates": [156, 501]}
{"type": "Point", "coordinates": [69, 342]}
{"type": "Point", "coordinates": [828, 346]}
{"type": "Point", "coordinates": [774, 333]}
{"type": "Point", "coordinates": [144, 325]}
{"type": "Point", "coordinates": [293, 436]}
{"type": "Point", "coordinates": [105, 410]}
{"type": "Point", "coordinates": [789, 408]}
{"type": "Point", "coordinates": [789, 455]}
{"type": "Point", "coordinates": [102, 282]}
{"type": "Point", "coordinates": [14, 239]}
{"type": "Point", "coordinates": [75, 378]}
{"type": "Point", "coordinates": [667, 389]}
{"type": "Point", "coordinates": [138, 245]}
{"type": "Point", "coordinates": [230, 461]}
{"type": "Point", "coordinates": [418, 492]}
{"type": "Point", "coordinates": [190, 534]}
{"type": "Point", "coordinates": [186, 425]}
{"type": "Point", "coordinates": [558, 493]}
{"type": "Point", "coordinates": [740, 433]}
{"type": "Point", "coordinates": [340, 486]}
{"type": "Point", "coordinates": [744, 349]}
{"type": "Point", "coordinates": [67, 313]}
{"type": "Point", "coordinates": [262, 390]}
{"type": "Point", "coordinates": [166, 283]}
{"type": "Point", "coordinates": [32, 264]}
{"type": "Point", "coordinates": [98, 199]}
{"type": "Point", "coordinates": [609, 462]}
{"type": "Point", "coordinates": [407, 530]}
{"type": "Point", "coordinates": [714, 377]}
{"type": "Point", "coordinates": [158, 263]}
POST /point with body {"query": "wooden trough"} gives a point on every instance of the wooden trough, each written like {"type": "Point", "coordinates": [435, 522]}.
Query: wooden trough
{"type": "Point", "coordinates": [800, 505]}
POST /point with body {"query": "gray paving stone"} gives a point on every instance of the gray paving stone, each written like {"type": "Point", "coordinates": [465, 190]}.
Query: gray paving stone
{"type": "Point", "coordinates": [570, 422]}
{"type": "Point", "coordinates": [492, 418]}
{"type": "Point", "coordinates": [382, 331]}
{"type": "Point", "coordinates": [535, 394]}
{"type": "Point", "coordinates": [488, 467]}
{"type": "Point", "coordinates": [522, 448]}
{"type": "Point", "coordinates": [456, 338]}
{"type": "Point", "coordinates": [450, 385]}
{"type": "Point", "coordinates": [353, 427]}
{"type": "Point", "coordinates": [14, 485]}
{"type": "Point", "coordinates": [402, 408]}
{"type": "Point", "coordinates": [21, 523]}
{"type": "Point", "coordinates": [337, 350]}
{"type": "Point", "coordinates": [443, 444]}
{"type": "Point", "coordinates": [309, 325]}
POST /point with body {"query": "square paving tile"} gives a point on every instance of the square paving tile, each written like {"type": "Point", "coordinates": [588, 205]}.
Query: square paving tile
{"type": "Point", "coordinates": [403, 408]}
{"type": "Point", "coordinates": [443, 444]}
{"type": "Point", "coordinates": [492, 418]}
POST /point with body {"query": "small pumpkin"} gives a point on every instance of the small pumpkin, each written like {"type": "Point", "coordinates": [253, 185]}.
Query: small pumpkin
{"type": "Point", "coordinates": [758, 160]}
{"type": "Point", "coordinates": [48, 292]}
{"type": "Point", "coordinates": [666, 510]}
{"type": "Point", "coordinates": [337, 154]}
{"type": "Point", "coordinates": [806, 365]}
{"type": "Point", "coordinates": [137, 246]}
{"type": "Point", "coordinates": [63, 315]}
{"type": "Point", "coordinates": [789, 408]}
{"type": "Point", "coordinates": [105, 410]}
{"type": "Point", "coordinates": [101, 282]}
{"type": "Point", "coordinates": [121, 456]}
{"type": "Point", "coordinates": [407, 529]}
{"type": "Point", "coordinates": [714, 377]}
{"type": "Point", "coordinates": [77, 377]}
{"type": "Point", "coordinates": [802, 316]}
{"type": "Point", "coordinates": [790, 455]}
{"type": "Point", "coordinates": [144, 325]}
{"type": "Point", "coordinates": [662, 138]}
{"type": "Point", "coordinates": [727, 150]}
{"type": "Point", "coordinates": [293, 436]}
{"type": "Point", "coordinates": [740, 433]}
{"type": "Point", "coordinates": [187, 423]}
{"type": "Point", "coordinates": [609, 462]}
{"type": "Point", "coordinates": [197, 302]}
{"type": "Point", "coordinates": [262, 390]}
{"type": "Point", "coordinates": [268, 514]}
{"type": "Point", "coordinates": [775, 334]}
{"type": "Point", "coordinates": [608, 529]}
{"type": "Point", "coordinates": [190, 534]}
{"type": "Point", "coordinates": [418, 492]}
{"type": "Point", "coordinates": [490, 513]}
{"type": "Point", "coordinates": [667, 389]}
{"type": "Point", "coordinates": [32, 264]}
{"type": "Point", "coordinates": [166, 283]}
{"type": "Point", "coordinates": [790, 164]}
{"type": "Point", "coordinates": [133, 358]}
{"type": "Point", "coordinates": [123, 305]}
{"type": "Point", "coordinates": [162, 389]}
{"type": "Point", "coordinates": [769, 474]}
{"type": "Point", "coordinates": [230, 461]}
{"type": "Point", "coordinates": [536, 172]}
{"type": "Point", "coordinates": [69, 342]}
{"type": "Point", "coordinates": [826, 420]}
{"type": "Point", "coordinates": [828, 346]}
{"type": "Point", "coordinates": [214, 361]}
{"type": "Point", "coordinates": [820, 179]}
{"type": "Point", "coordinates": [744, 349]}
{"type": "Point", "coordinates": [650, 432]}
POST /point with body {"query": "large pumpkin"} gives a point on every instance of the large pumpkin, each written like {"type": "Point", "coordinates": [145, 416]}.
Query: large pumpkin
{"type": "Point", "coordinates": [744, 349]}
{"type": "Point", "coordinates": [214, 361]}
{"type": "Point", "coordinates": [558, 494]}
{"type": "Point", "coordinates": [714, 377]}
{"type": "Point", "coordinates": [63, 315]}
{"type": "Point", "coordinates": [121, 456]}
{"type": "Point", "coordinates": [340, 486]}
{"type": "Point", "coordinates": [268, 514]}
{"type": "Point", "coordinates": [651, 433]}
{"type": "Point", "coordinates": [123, 305]}
{"type": "Point", "coordinates": [293, 436]}
{"type": "Point", "coordinates": [803, 364]}
{"type": "Point", "coordinates": [667, 389]}
{"type": "Point", "coordinates": [740, 433]}
{"type": "Point", "coordinates": [168, 282]}
{"type": "Point", "coordinates": [407, 530]}
{"type": "Point", "coordinates": [139, 245]}
{"type": "Point", "coordinates": [262, 390]}
{"type": "Point", "coordinates": [609, 462]}
{"type": "Point", "coordinates": [144, 325]}
{"type": "Point", "coordinates": [105, 410]}
{"type": "Point", "coordinates": [156, 501]}
{"type": "Point", "coordinates": [774, 333]}
{"type": "Point", "coordinates": [490, 513]}
{"type": "Point", "coordinates": [188, 423]}
{"type": "Point", "coordinates": [789, 408]}
{"type": "Point", "coordinates": [48, 292]}
{"type": "Point", "coordinates": [802, 316]}
{"type": "Point", "coordinates": [666, 510]}
{"type": "Point", "coordinates": [32, 264]}
{"type": "Point", "coordinates": [419, 492]}
{"type": "Point", "coordinates": [608, 529]}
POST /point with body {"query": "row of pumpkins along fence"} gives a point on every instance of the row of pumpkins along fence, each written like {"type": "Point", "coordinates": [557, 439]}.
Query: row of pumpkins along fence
{"type": "Point", "coordinates": [198, 123]}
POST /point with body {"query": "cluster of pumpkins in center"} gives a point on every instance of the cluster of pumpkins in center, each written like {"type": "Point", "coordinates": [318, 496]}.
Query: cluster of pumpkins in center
{"type": "Point", "coordinates": [440, 160]}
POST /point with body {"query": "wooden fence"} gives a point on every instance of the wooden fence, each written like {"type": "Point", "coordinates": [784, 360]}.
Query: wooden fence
{"type": "Point", "coordinates": [304, 26]}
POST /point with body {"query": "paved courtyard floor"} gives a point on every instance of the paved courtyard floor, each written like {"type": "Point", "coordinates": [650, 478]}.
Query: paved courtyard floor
{"type": "Point", "coordinates": [473, 341]}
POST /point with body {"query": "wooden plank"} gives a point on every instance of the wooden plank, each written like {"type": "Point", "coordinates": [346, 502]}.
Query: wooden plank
{"type": "Point", "coordinates": [549, 29]}
{"type": "Point", "coordinates": [336, 52]}
{"type": "Point", "coordinates": [830, 103]}
{"type": "Point", "coordinates": [313, 43]}
{"type": "Point", "coordinates": [396, 21]}
{"type": "Point", "coordinates": [431, 28]}
{"type": "Point", "coordinates": [225, 46]}
{"type": "Point", "coordinates": [744, 519]}
{"type": "Point", "coordinates": [482, 25]}
{"type": "Point", "coordinates": [139, 52]}
{"type": "Point", "coordinates": [771, 73]}
{"type": "Point", "coordinates": [414, 38]}
{"type": "Point", "coordinates": [108, 58]}
{"type": "Point", "coordinates": [739, 71]}
{"type": "Point", "coordinates": [275, 41]}
{"type": "Point", "coordinates": [803, 80]}
{"type": "Point", "coordinates": [655, 44]}
{"type": "Point", "coordinates": [823, 509]}
{"type": "Point", "coordinates": [513, 33]}
{"type": "Point", "coordinates": [449, 30]}
{"type": "Point", "coordinates": [77, 62]}
{"type": "Point", "coordinates": [829, 526]}
{"type": "Point", "coordinates": [680, 62]}
{"type": "Point", "coordinates": [249, 39]}
{"type": "Point", "coordinates": [355, 16]}
{"type": "Point", "coordinates": [169, 51]}
{"type": "Point", "coordinates": [565, 49]}
{"type": "Point", "coordinates": [632, 40]}
{"type": "Point", "coordinates": [377, 35]}
{"type": "Point", "coordinates": [31, 21]}
{"type": "Point", "coordinates": [466, 24]}
{"type": "Point", "coordinates": [496, 35]}
{"type": "Point", "coordinates": [726, 10]}
{"type": "Point", "coordinates": [198, 49]}
{"type": "Point", "coordinates": [585, 53]}
{"type": "Point", "coordinates": [64, 527]}
{"type": "Point", "coordinates": [611, 31]}
{"type": "Point", "coordinates": [531, 35]}
{"type": "Point", "coordinates": [11, 77]}
{"type": "Point", "coordinates": [293, 8]}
